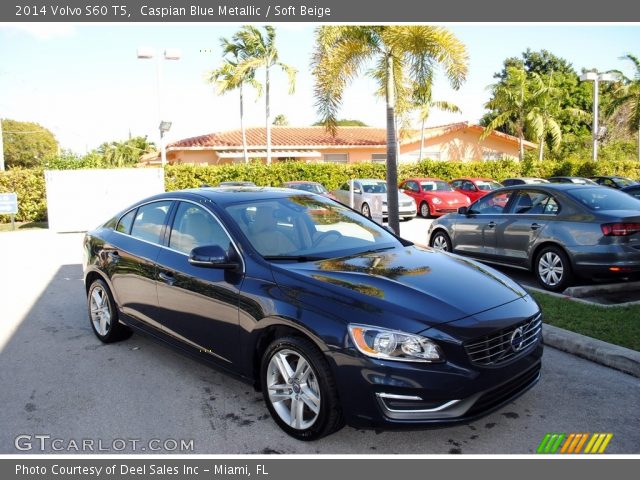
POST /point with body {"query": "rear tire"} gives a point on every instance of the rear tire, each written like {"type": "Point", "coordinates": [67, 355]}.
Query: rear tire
{"type": "Point", "coordinates": [299, 389]}
{"type": "Point", "coordinates": [366, 210]}
{"type": "Point", "coordinates": [552, 269]}
{"type": "Point", "coordinates": [103, 314]}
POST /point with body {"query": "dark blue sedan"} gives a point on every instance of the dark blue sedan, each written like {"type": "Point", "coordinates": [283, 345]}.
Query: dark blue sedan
{"type": "Point", "coordinates": [332, 317]}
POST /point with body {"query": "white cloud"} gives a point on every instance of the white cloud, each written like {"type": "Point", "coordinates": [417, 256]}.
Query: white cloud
{"type": "Point", "coordinates": [42, 31]}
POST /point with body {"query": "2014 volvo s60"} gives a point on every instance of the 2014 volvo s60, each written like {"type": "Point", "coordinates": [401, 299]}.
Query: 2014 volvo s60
{"type": "Point", "coordinates": [332, 317]}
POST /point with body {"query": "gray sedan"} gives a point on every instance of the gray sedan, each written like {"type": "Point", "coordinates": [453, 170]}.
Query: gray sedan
{"type": "Point", "coordinates": [364, 192]}
{"type": "Point", "coordinates": [555, 230]}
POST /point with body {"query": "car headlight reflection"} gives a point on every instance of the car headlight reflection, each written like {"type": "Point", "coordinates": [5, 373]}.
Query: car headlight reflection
{"type": "Point", "coordinates": [436, 200]}
{"type": "Point", "coordinates": [388, 344]}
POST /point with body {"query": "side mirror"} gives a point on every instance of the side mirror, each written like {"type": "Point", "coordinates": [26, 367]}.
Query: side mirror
{"type": "Point", "coordinates": [463, 210]}
{"type": "Point", "coordinates": [357, 190]}
{"type": "Point", "coordinates": [211, 256]}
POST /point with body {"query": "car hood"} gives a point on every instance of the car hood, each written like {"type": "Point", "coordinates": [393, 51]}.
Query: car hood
{"type": "Point", "coordinates": [444, 195]}
{"type": "Point", "coordinates": [425, 286]}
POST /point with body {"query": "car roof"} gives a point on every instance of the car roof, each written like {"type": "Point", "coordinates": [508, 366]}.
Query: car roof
{"type": "Point", "coordinates": [475, 179]}
{"type": "Point", "coordinates": [298, 181]}
{"type": "Point", "coordinates": [549, 186]}
{"type": "Point", "coordinates": [424, 179]}
{"type": "Point", "coordinates": [229, 195]}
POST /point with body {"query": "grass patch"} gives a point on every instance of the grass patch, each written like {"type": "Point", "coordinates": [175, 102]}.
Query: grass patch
{"type": "Point", "coordinates": [617, 325]}
{"type": "Point", "coordinates": [6, 227]}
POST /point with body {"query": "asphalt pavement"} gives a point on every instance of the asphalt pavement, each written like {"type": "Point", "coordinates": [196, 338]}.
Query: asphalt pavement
{"type": "Point", "coordinates": [60, 383]}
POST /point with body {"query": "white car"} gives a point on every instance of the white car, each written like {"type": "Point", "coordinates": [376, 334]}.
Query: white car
{"type": "Point", "coordinates": [364, 191]}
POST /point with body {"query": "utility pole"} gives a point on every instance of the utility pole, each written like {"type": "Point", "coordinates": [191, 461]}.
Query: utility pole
{"type": "Point", "coordinates": [596, 78]}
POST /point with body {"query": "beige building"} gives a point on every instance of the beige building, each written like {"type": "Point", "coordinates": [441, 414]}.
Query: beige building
{"type": "Point", "coordinates": [453, 142]}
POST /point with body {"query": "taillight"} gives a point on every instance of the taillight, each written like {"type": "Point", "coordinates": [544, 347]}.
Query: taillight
{"type": "Point", "coordinates": [620, 229]}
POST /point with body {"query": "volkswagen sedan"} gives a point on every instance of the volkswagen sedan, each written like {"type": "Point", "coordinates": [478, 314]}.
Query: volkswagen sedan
{"type": "Point", "coordinates": [332, 317]}
{"type": "Point", "coordinates": [555, 230]}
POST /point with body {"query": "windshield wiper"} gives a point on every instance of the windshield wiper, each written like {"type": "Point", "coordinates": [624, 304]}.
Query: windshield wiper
{"type": "Point", "coordinates": [294, 258]}
{"type": "Point", "coordinates": [381, 249]}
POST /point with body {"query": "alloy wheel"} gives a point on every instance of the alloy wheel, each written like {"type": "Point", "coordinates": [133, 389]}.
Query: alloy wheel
{"type": "Point", "coordinates": [440, 243]}
{"type": "Point", "coordinates": [293, 389]}
{"type": "Point", "coordinates": [100, 310]}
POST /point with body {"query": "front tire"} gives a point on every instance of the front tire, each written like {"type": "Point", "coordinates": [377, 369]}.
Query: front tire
{"type": "Point", "coordinates": [103, 314]}
{"type": "Point", "coordinates": [440, 241]}
{"type": "Point", "coordinates": [552, 269]}
{"type": "Point", "coordinates": [299, 389]}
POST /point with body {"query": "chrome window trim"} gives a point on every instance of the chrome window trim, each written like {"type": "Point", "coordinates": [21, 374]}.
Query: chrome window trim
{"type": "Point", "coordinates": [170, 228]}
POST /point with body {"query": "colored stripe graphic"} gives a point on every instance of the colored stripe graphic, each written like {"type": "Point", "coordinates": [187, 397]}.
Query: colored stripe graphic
{"type": "Point", "coordinates": [572, 443]}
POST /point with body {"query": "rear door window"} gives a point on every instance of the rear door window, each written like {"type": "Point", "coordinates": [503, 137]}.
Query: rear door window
{"type": "Point", "coordinates": [149, 222]}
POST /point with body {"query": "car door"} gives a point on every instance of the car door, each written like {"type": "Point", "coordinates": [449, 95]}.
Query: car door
{"type": "Point", "coordinates": [412, 189]}
{"type": "Point", "coordinates": [530, 213]}
{"type": "Point", "coordinates": [470, 190]}
{"type": "Point", "coordinates": [475, 233]}
{"type": "Point", "coordinates": [132, 258]}
{"type": "Point", "coordinates": [199, 305]}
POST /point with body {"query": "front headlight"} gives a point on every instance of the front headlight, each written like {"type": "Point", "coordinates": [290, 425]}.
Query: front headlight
{"type": "Point", "coordinates": [436, 200]}
{"type": "Point", "coordinates": [388, 344]}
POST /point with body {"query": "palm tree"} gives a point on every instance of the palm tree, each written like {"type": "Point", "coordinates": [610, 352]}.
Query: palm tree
{"type": "Point", "coordinates": [403, 56]}
{"type": "Point", "coordinates": [626, 98]}
{"type": "Point", "coordinates": [228, 77]}
{"type": "Point", "coordinates": [425, 109]}
{"type": "Point", "coordinates": [513, 98]}
{"type": "Point", "coordinates": [544, 117]}
{"type": "Point", "coordinates": [259, 51]}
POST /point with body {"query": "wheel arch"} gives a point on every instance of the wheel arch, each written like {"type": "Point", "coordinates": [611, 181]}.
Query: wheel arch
{"type": "Point", "coordinates": [266, 332]}
{"type": "Point", "coordinates": [547, 243]}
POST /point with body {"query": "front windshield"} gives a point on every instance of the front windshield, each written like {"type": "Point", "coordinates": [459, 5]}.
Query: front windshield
{"type": "Point", "coordinates": [373, 186]}
{"type": "Point", "coordinates": [486, 186]}
{"type": "Point", "coordinates": [604, 198]}
{"type": "Point", "coordinates": [435, 185]}
{"type": "Point", "coordinates": [309, 187]}
{"type": "Point", "coordinates": [307, 226]}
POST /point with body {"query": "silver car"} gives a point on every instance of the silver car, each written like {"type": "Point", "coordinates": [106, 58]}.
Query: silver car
{"type": "Point", "coordinates": [364, 192]}
{"type": "Point", "coordinates": [555, 230]}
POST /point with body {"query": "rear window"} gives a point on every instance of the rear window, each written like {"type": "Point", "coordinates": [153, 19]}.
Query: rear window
{"type": "Point", "coordinates": [599, 198]}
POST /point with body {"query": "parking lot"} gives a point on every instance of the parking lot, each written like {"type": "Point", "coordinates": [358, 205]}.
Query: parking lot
{"type": "Point", "coordinates": [59, 380]}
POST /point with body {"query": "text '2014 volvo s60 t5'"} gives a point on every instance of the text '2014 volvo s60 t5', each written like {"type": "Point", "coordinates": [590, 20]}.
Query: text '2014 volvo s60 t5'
{"type": "Point", "coordinates": [332, 317]}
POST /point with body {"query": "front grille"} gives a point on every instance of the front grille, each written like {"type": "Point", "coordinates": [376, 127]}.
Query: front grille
{"type": "Point", "coordinates": [504, 345]}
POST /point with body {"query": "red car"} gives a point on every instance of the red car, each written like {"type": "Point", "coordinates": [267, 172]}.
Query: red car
{"type": "Point", "coordinates": [474, 188]}
{"type": "Point", "coordinates": [433, 197]}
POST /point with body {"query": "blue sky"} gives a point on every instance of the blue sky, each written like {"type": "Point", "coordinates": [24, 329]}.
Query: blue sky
{"type": "Point", "coordinates": [85, 83]}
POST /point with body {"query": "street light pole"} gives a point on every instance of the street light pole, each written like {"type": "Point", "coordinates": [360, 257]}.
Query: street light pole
{"type": "Point", "coordinates": [169, 54]}
{"type": "Point", "coordinates": [596, 78]}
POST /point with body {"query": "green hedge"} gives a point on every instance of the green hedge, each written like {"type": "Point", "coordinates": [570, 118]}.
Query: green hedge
{"type": "Point", "coordinates": [30, 186]}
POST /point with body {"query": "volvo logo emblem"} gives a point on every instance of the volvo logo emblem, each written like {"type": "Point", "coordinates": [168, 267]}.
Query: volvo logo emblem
{"type": "Point", "coordinates": [517, 339]}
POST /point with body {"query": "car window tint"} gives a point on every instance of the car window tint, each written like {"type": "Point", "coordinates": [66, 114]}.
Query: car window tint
{"type": "Point", "coordinates": [492, 203]}
{"type": "Point", "coordinates": [193, 227]}
{"type": "Point", "coordinates": [149, 221]}
{"type": "Point", "coordinates": [535, 203]}
{"type": "Point", "coordinates": [598, 198]}
{"type": "Point", "coordinates": [124, 225]}
{"type": "Point", "coordinates": [468, 186]}
{"type": "Point", "coordinates": [456, 183]}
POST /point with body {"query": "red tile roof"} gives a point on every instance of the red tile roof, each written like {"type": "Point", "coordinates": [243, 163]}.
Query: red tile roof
{"type": "Point", "coordinates": [317, 137]}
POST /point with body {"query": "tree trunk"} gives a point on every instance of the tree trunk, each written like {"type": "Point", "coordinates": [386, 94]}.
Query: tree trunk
{"type": "Point", "coordinates": [392, 152]}
{"type": "Point", "coordinates": [541, 148]}
{"type": "Point", "coordinates": [638, 141]}
{"type": "Point", "coordinates": [521, 138]}
{"type": "Point", "coordinates": [422, 139]}
{"type": "Point", "coordinates": [268, 114]}
{"type": "Point", "coordinates": [244, 132]}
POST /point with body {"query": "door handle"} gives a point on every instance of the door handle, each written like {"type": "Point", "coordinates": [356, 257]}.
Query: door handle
{"type": "Point", "coordinates": [491, 224]}
{"type": "Point", "coordinates": [167, 278]}
{"type": "Point", "coordinates": [535, 226]}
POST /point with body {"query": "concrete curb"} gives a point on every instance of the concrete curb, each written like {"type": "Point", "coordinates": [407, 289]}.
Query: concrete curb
{"type": "Point", "coordinates": [613, 356]}
{"type": "Point", "coordinates": [581, 300]}
{"type": "Point", "coordinates": [591, 290]}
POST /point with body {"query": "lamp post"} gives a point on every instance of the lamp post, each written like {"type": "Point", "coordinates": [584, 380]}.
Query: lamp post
{"type": "Point", "coordinates": [1, 149]}
{"type": "Point", "coordinates": [596, 78]}
{"type": "Point", "coordinates": [145, 53]}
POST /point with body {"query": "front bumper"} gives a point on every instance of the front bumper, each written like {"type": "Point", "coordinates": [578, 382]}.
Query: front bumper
{"type": "Point", "coordinates": [403, 395]}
